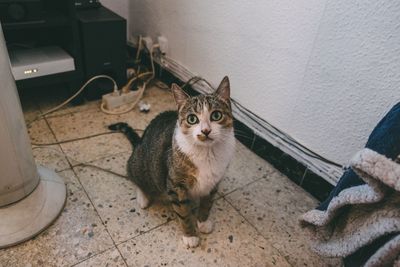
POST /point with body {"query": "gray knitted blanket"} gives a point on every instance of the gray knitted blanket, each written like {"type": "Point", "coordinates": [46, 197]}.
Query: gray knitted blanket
{"type": "Point", "coordinates": [361, 214]}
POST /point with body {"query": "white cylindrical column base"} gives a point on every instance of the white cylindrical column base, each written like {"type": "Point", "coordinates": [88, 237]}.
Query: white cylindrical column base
{"type": "Point", "coordinates": [26, 218]}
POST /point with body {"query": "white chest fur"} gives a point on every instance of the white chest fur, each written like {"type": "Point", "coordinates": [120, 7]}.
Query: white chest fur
{"type": "Point", "coordinates": [211, 162]}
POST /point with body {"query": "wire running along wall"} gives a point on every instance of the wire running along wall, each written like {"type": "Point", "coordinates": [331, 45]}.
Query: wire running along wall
{"type": "Point", "coordinates": [321, 166]}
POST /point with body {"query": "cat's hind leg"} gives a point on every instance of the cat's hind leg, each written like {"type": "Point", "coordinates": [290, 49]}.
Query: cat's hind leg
{"type": "Point", "coordinates": [142, 199]}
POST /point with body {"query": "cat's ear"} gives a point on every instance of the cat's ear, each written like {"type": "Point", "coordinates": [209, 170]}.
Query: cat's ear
{"type": "Point", "coordinates": [224, 89]}
{"type": "Point", "coordinates": [179, 95]}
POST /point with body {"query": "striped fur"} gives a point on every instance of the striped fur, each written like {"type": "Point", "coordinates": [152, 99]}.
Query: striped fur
{"type": "Point", "coordinates": [184, 162]}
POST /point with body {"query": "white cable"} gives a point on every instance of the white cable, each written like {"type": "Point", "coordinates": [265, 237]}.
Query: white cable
{"type": "Point", "coordinates": [75, 95]}
{"type": "Point", "coordinates": [138, 49]}
{"type": "Point", "coordinates": [138, 98]}
{"type": "Point", "coordinates": [126, 88]}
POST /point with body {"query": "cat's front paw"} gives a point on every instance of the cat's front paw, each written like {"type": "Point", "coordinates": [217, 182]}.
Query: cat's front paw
{"type": "Point", "coordinates": [205, 227]}
{"type": "Point", "coordinates": [191, 241]}
{"type": "Point", "coordinates": [142, 199]}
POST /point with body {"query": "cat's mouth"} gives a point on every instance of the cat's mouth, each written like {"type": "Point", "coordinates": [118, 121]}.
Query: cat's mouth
{"type": "Point", "coordinates": [204, 138]}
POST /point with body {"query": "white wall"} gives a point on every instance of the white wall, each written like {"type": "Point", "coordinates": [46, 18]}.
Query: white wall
{"type": "Point", "coordinates": [323, 71]}
{"type": "Point", "coordinates": [121, 7]}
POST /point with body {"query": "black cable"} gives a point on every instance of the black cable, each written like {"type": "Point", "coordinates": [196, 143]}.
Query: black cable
{"type": "Point", "coordinates": [77, 139]}
{"type": "Point", "coordinates": [248, 112]}
{"type": "Point", "coordinates": [83, 163]}
{"type": "Point", "coordinates": [298, 145]}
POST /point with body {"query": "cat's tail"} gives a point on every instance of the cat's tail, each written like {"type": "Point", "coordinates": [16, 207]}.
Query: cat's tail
{"type": "Point", "coordinates": [129, 132]}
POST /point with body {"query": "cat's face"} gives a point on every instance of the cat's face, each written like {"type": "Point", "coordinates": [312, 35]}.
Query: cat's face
{"type": "Point", "coordinates": [205, 119]}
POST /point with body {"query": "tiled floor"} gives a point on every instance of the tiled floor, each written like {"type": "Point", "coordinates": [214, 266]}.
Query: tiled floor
{"type": "Point", "coordinates": [255, 212]}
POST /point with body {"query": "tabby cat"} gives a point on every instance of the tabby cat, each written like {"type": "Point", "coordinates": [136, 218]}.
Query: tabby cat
{"type": "Point", "coordinates": [183, 155]}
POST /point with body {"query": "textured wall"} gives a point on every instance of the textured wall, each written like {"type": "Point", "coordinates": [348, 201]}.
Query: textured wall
{"type": "Point", "coordinates": [322, 71]}
{"type": "Point", "coordinates": [352, 78]}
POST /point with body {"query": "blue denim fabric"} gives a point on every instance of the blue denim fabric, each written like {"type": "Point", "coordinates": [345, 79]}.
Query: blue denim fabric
{"type": "Point", "coordinates": [384, 139]}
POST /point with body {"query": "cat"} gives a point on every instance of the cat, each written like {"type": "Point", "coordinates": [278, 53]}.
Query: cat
{"type": "Point", "coordinates": [183, 155]}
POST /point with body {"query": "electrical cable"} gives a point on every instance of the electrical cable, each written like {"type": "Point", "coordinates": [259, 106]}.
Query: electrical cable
{"type": "Point", "coordinates": [79, 163]}
{"type": "Point", "coordinates": [140, 93]}
{"type": "Point", "coordinates": [191, 80]}
{"type": "Point", "coordinates": [78, 139]}
{"type": "Point", "coordinates": [141, 90]}
{"type": "Point", "coordinates": [124, 89]}
{"type": "Point", "coordinates": [138, 50]}
{"type": "Point", "coordinates": [292, 141]}
{"type": "Point", "coordinates": [79, 91]}
{"type": "Point", "coordinates": [73, 97]}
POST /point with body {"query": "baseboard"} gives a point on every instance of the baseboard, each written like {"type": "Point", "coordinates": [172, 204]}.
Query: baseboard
{"type": "Point", "coordinates": [302, 175]}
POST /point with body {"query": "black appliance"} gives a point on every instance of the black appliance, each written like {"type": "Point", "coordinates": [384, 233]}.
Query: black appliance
{"type": "Point", "coordinates": [21, 10]}
{"type": "Point", "coordinates": [103, 37]}
{"type": "Point", "coordinates": [83, 4]}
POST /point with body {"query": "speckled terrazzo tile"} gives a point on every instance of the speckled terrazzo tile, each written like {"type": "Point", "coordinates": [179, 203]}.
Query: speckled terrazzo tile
{"type": "Point", "coordinates": [39, 132]}
{"type": "Point", "coordinates": [80, 124]}
{"type": "Point", "coordinates": [115, 200]}
{"type": "Point", "coordinates": [116, 163]}
{"type": "Point", "coordinates": [159, 99]}
{"type": "Point", "coordinates": [273, 206]}
{"type": "Point", "coordinates": [94, 121]}
{"type": "Point", "coordinates": [76, 235]}
{"type": "Point", "coordinates": [48, 156]}
{"type": "Point", "coordinates": [70, 108]}
{"type": "Point", "coordinates": [52, 97]}
{"type": "Point", "coordinates": [232, 243]}
{"type": "Point", "coordinates": [96, 148]}
{"type": "Point", "coordinates": [71, 181]}
{"type": "Point", "coordinates": [109, 258]}
{"type": "Point", "coordinates": [244, 168]}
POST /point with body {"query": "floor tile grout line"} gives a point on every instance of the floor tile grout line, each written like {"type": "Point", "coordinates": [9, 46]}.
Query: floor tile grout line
{"type": "Point", "coordinates": [92, 256]}
{"type": "Point", "coordinates": [284, 176]}
{"type": "Point", "coordinates": [84, 189]}
{"type": "Point", "coordinates": [145, 232]}
{"type": "Point", "coordinates": [105, 226]}
{"type": "Point", "coordinates": [122, 256]}
{"type": "Point", "coordinates": [255, 228]}
{"type": "Point", "coordinates": [87, 195]}
{"type": "Point", "coordinates": [55, 138]}
{"type": "Point", "coordinates": [238, 211]}
{"type": "Point", "coordinates": [97, 213]}
{"type": "Point", "coordinates": [66, 109]}
{"type": "Point", "coordinates": [259, 179]}
{"type": "Point", "coordinates": [240, 187]}
{"type": "Point", "coordinates": [68, 157]}
{"type": "Point", "coordinates": [101, 158]}
{"type": "Point", "coordinates": [94, 207]}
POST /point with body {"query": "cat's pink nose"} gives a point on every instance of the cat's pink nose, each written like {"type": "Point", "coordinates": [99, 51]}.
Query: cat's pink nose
{"type": "Point", "coordinates": [206, 132]}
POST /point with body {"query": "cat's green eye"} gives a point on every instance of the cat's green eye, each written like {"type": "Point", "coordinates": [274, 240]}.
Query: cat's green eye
{"type": "Point", "coordinates": [192, 119]}
{"type": "Point", "coordinates": [216, 116]}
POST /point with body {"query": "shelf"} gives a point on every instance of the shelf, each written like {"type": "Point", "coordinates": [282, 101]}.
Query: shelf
{"type": "Point", "coordinates": [63, 77]}
{"type": "Point", "coordinates": [50, 20]}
